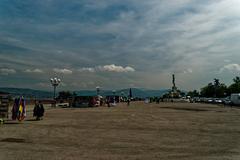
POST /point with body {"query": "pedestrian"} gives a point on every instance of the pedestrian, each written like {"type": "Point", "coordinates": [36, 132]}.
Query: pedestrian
{"type": "Point", "coordinates": [38, 111]}
{"type": "Point", "coordinates": [108, 102]}
{"type": "Point", "coordinates": [128, 101]}
{"type": "Point", "coordinates": [158, 100]}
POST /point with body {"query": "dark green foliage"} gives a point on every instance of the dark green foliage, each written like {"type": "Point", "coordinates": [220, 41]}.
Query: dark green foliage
{"type": "Point", "coordinates": [215, 89]}
{"type": "Point", "coordinates": [235, 87]}
{"type": "Point", "coordinates": [182, 94]}
{"type": "Point", "coordinates": [64, 95]}
{"type": "Point", "coordinates": [194, 93]}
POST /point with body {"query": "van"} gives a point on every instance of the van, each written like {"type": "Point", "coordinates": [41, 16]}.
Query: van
{"type": "Point", "coordinates": [235, 98]}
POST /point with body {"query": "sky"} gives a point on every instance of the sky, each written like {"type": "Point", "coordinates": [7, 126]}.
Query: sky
{"type": "Point", "coordinates": [118, 44]}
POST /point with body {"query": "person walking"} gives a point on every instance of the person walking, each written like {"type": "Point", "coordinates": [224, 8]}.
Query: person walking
{"type": "Point", "coordinates": [108, 102]}
{"type": "Point", "coordinates": [128, 102]}
{"type": "Point", "coordinates": [38, 111]}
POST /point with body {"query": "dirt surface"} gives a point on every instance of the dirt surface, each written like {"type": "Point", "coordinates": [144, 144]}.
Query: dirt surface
{"type": "Point", "coordinates": [165, 131]}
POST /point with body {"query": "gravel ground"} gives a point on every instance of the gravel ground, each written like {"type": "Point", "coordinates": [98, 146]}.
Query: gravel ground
{"type": "Point", "coordinates": [165, 131]}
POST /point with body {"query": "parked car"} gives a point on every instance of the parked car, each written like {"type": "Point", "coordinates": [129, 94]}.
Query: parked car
{"type": "Point", "coordinates": [62, 104]}
{"type": "Point", "coordinates": [218, 101]}
{"type": "Point", "coordinates": [227, 101]}
{"type": "Point", "coordinates": [210, 100]}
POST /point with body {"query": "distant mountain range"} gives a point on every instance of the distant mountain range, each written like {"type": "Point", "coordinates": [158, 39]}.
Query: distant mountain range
{"type": "Point", "coordinates": [140, 93]}
{"type": "Point", "coordinates": [136, 92]}
{"type": "Point", "coordinates": [28, 93]}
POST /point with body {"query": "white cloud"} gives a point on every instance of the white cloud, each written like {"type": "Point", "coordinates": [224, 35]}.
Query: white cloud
{"type": "Point", "coordinates": [107, 68]}
{"type": "Point", "coordinates": [227, 60]}
{"type": "Point", "coordinates": [189, 70]}
{"type": "Point", "coordinates": [42, 84]}
{"type": "Point", "coordinates": [114, 68]}
{"type": "Point", "coordinates": [88, 84]}
{"type": "Point", "coordinates": [231, 67]}
{"type": "Point", "coordinates": [154, 36]}
{"type": "Point", "coordinates": [33, 71]}
{"type": "Point", "coordinates": [62, 71]}
{"type": "Point", "coordinates": [63, 84]}
{"type": "Point", "coordinates": [87, 69]}
{"type": "Point", "coordinates": [182, 71]}
{"type": "Point", "coordinates": [7, 71]}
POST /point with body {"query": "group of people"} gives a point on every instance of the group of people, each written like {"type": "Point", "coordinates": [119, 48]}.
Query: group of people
{"type": "Point", "coordinates": [19, 110]}
{"type": "Point", "coordinates": [109, 102]}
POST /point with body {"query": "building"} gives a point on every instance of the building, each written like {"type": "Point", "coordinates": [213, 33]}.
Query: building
{"type": "Point", "coordinates": [4, 105]}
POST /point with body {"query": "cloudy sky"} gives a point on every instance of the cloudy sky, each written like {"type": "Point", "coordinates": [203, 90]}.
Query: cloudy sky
{"type": "Point", "coordinates": [118, 44]}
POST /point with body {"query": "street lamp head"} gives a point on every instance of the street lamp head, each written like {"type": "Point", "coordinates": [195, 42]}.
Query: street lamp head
{"type": "Point", "coordinates": [55, 81]}
{"type": "Point", "coordinates": [98, 90]}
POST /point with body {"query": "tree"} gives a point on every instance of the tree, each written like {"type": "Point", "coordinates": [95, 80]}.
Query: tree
{"type": "Point", "coordinates": [194, 93]}
{"type": "Point", "coordinates": [235, 87]}
{"type": "Point", "coordinates": [221, 90]}
{"type": "Point", "coordinates": [64, 95]}
{"type": "Point", "coordinates": [216, 82]}
{"type": "Point", "coordinates": [215, 89]}
{"type": "Point", "coordinates": [208, 91]}
{"type": "Point", "coordinates": [182, 94]}
{"type": "Point", "coordinates": [236, 79]}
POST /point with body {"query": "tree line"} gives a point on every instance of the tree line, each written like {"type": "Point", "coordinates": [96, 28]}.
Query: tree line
{"type": "Point", "coordinates": [217, 89]}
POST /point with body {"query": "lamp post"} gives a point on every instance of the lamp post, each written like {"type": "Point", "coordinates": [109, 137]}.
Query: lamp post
{"type": "Point", "coordinates": [98, 90]}
{"type": "Point", "coordinates": [114, 96]}
{"type": "Point", "coordinates": [55, 82]}
{"type": "Point", "coordinates": [122, 94]}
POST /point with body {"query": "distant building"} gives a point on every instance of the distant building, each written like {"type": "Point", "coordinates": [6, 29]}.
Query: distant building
{"type": "Point", "coordinates": [113, 98]}
{"type": "Point", "coordinates": [87, 100]}
{"type": "Point", "coordinates": [4, 93]}
{"type": "Point", "coordinates": [4, 105]}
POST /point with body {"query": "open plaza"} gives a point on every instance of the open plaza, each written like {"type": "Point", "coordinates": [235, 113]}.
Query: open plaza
{"type": "Point", "coordinates": [166, 131]}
